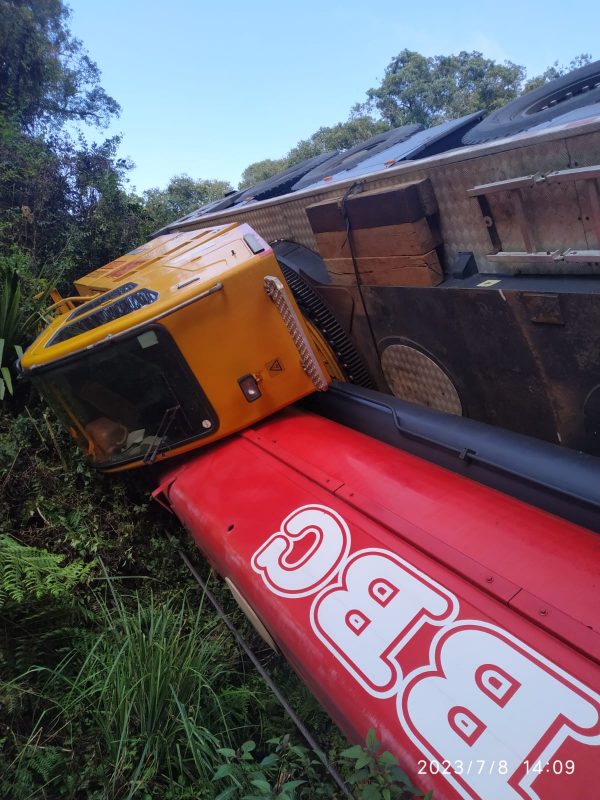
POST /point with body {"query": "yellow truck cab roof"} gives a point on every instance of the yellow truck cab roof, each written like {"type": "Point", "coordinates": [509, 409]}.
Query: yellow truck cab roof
{"type": "Point", "coordinates": [144, 285]}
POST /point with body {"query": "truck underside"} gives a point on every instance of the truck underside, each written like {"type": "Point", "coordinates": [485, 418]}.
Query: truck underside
{"type": "Point", "coordinates": [478, 293]}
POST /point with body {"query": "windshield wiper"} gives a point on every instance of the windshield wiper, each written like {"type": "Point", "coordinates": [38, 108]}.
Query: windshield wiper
{"type": "Point", "coordinates": [161, 434]}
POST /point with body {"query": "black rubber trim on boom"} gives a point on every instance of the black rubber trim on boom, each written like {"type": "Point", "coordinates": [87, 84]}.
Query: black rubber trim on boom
{"type": "Point", "coordinates": [556, 479]}
{"type": "Point", "coordinates": [315, 309]}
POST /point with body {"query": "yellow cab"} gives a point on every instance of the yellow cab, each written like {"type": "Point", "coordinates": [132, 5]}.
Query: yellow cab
{"type": "Point", "coordinates": [185, 340]}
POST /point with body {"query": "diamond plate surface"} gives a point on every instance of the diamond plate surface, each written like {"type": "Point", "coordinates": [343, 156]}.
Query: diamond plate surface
{"type": "Point", "coordinates": [414, 377]}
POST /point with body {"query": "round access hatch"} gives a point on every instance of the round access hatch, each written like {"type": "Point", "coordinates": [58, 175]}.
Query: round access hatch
{"type": "Point", "coordinates": [413, 376]}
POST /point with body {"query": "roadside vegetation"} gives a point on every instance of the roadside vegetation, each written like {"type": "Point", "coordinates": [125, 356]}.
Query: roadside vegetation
{"type": "Point", "coordinates": [117, 680]}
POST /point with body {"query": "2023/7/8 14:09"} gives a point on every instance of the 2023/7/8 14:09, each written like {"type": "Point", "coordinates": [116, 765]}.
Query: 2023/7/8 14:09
{"type": "Point", "coordinates": [480, 765]}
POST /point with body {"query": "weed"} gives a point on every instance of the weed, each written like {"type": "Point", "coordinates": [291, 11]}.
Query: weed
{"type": "Point", "coordinates": [284, 773]}
{"type": "Point", "coordinates": [377, 776]}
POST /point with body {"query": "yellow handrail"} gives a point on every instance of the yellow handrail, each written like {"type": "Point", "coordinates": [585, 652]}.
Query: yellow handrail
{"type": "Point", "coordinates": [70, 301]}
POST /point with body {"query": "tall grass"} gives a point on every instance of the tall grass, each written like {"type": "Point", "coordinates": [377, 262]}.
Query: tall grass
{"type": "Point", "coordinates": [159, 689]}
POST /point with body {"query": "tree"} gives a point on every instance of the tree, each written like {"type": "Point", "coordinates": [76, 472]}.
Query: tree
{"type": "Point", "coordinates": [556, 70]}
{"type": "Point", "coordinates": [261, 170]}
{"type": "Point", "coordinates": [60, 201]}
{"type": "Point", "coordinates": [105, 220]}
{"type": "Point", "coordinates": [358, 128]}
{"type": "Point", "coordinates": [182, 196]}
{"type": "Point", "coordinates": [415, 89]}
{"type": "Point", "coordinates": [66, 201]}
{"type": "Point", "coordinates": [46, 77]}
{"type": "Point", "coordinates": [429, 90]}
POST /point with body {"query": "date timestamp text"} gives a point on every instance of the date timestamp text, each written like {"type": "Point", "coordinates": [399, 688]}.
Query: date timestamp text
{"type": "Point", "coordinates": [481, 766]}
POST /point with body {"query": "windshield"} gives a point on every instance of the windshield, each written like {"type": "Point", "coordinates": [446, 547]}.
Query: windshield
{"type": "Point", "coordinates": [129, 400]}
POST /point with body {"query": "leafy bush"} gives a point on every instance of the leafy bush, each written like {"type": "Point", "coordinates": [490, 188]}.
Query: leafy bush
{"type": "Point", "coordinates": [376, 775]}
{"type": "Point", "coordinates": [286, 772]}
{"type": "Point", "coordinates": [22, 298]}
{"type": "Point", "coordinates": [37, 610]}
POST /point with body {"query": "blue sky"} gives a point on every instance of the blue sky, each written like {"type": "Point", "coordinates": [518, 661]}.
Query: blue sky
{"type": "Point", "coordinates": [208, 88]}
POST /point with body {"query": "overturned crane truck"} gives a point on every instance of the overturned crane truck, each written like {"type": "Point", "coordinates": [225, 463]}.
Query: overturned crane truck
{"type": "Point", "coordinates": [380, 380]}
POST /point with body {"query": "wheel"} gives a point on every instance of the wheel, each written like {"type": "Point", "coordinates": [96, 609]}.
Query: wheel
{"type": "Point", "coordinates": [575, 90]}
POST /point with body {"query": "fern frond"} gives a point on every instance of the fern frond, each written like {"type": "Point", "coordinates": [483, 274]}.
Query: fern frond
{"type": "Point", "coordinates": [30, 573]}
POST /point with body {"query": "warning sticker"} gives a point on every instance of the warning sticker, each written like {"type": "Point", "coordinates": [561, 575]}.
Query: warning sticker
{"type": "Point", "coordinates": [488, 283]}
{"type": "Point", "coordinates": [275, 367]}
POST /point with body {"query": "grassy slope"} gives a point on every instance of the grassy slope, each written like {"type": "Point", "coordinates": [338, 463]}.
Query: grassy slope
{"type": "Point", "coordinates": [125, 687]}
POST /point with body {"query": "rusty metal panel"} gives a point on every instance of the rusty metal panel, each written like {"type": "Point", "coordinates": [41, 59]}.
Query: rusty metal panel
{"type": "Point", "coordinates": [523, 360]}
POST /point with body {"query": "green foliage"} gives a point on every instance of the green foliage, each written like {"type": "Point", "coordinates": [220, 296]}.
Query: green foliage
{"type": "Point", "coordinates": [285, 772]}
{"type": "Point", "coordinates": [556, 71]}
{"type": "Point", "coordinates": [262, 170]}
{"type": "Point", "coordinates": [22, 299]}
{"type": "Point", "coordinates": [38, 614]}
{"type": "Point", "coordinates": [358, 128]}
{"type": "Point", "coordinates": [33, 195]}
{"type": "Point", "coordinates": [182, 195]}
{"type": "Point", "coordinates": [157, 686]}
{"type": "Point", "coordinates": [418, 89]}
{"type": "Point", "coordinates": [53, 499]}
{"type": "Point", "coordinates": [63, 203]}
{"type": "Point", "coordinates": [156, 692]}
{"type": "Point", "coordinates": [6, 384]}
{"type": "Point", "coordinates": [289, 771]}
{"type": "Point", "coordinates": [28, 573]}
{"type": "Point", "coordinates": [46, 76]}
{"type": "Point", "coordinates": [36, 773]}
{"type": "Point", "coordinates": [375, 775]}
{"type": "Point", "coordinates": [10, 306]}
{"type": "Point", "coordinates": [105, 220]}
{"type": "Point", "coordinates": [20, 313]}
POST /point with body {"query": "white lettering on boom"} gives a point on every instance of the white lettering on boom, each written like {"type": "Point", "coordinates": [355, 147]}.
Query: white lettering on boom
{"type": "Point", "coordinates": [326, 540]}
{"type": "Point", "coordinates": [486, 697]}
{"type": "Point", "coordinates": [378, 604]}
